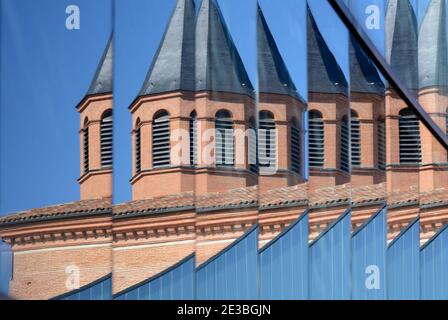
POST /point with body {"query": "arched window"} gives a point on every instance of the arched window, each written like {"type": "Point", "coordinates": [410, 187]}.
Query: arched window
{"type": "Point", "coordinates": [409, 130]}
{"type": "Point", "coordinates": [138, 147]}
{"type": "Point", "coordinates": [316, 139]}
{"type": "Point", "coordinates": [224, 143]}
{"type": "Point", "coordinates": [355, 139]}
{"type": "Point", "coordinates": [193, 139]}
{"type": "Point", "coordinates": [345, 145]}
{"type": "Point", "coordinates": [296, 146]}
{"type": "Point", "coordinates": [161, 140]}
{"type": "Point", "coordinates": [267, 140]}
{"type": "Point", "coordinates": [253, 146]}
{"type": "Point", "coordinates": [381, 144]}
{"type": "Point", "coordinates": [106, 139]}
{"type": "Point", "coordinates": [85, 134]}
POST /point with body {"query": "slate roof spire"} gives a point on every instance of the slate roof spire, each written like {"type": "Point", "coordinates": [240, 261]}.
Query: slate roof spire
{"type": "Point", "coordinates": [172, 68]}
{"type": "Point", "coordinates": [103, 80]}
{"type": "Point", "coordinates": [218, 65]}
{"type": "Point", "coordinates": [364, 77]}
{"type": "Point", "coordinates": [433, 46]}
{"type": "Point", "coordinates": [273, 75]}
{"type": "Point", "coordinates": [324, 73]}
{"type": "Point", "coordinates": [401, 41]}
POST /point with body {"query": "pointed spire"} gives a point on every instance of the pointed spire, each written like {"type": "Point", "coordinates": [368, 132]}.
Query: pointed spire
{"type": "Point", "coordinates": [273, 75]}
{"type": "Point", "coordinates": [433, 46]}
{"type": "Point", "coordinates": [364, 77]}
{"type": "Point", "coordinates": [103, 79]}
{"type": "Point", "coordinates": [172, 68]}
{"type": "Point", "coordinates": [401, 41]}
{"type": "Point", "coordinates": [218, 64]}
{"type": "Point", "coordinates": [324, 73]}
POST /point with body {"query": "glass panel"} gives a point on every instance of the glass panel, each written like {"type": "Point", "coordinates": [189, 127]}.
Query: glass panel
{"type": "Point", "coordinates": [328, 117]}
{"type": "Point", "coordinates": [226, 176]}
{"type": "Point", "coordinates": [154, 215]}
{"type": "Point", "coordinates": [283, 211]}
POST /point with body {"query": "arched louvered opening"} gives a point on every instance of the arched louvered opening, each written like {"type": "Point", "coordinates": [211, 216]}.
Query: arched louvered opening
{"type": "Point", "coordinates": [253, 146]}
{"type": "Point", "coordinates": [161, 140]}
{"type": "Point", "coordinates": [316, 139]}
{"type": "Point", "coordinates": [267, 149]}
{"type": "Point", "coordinates": [345, 145]}
{"type": "Point", "coordinates": [355, 139]}
{"type": "Point", "coordinates": [409, 131]}
{"type": "Point", "coordinates": [106, 139]}
{"type": "Point", "coordinates": [224, 143]}
{"type": "Point", "coordinates": [138, 147]}
{"type": "Point", "coordinates": [193, 139]}
{"type": "Point", "coordinates": [85, 143]}
{"type": "Point", "coordinates": [296, 146]}
{"type": "Point", "coordinates": [381, 144]}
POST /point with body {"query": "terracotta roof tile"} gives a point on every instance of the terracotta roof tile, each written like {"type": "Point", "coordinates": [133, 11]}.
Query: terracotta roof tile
{"type": "Point", "coordinates": [78, 208]}
{"type": "Point", "coordinates": [285, 196]}
{"type": "Point", "coordinates": [155, 205]}
{"type": "Point", "coordinates": [234, 198]}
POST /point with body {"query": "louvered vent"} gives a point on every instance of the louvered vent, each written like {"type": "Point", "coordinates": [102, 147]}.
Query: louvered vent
{"type": "Point", "coordinates": [106, 140]}
{"type": "Point", "coordinates": [295, 148]}
{"type": "Point", "coordinates": [355, 139]}
{"type": "Point", "coordinates": [267, 140]}
{"type": "Point", "coordinates": [138, 161]}
{"type": "Point", "coordinates": [409, 129]}
{"type": "Point", "coordinates": [316, 139]}
{"type": "Point", "coordinates": [381, 145]}
{"type": "Point", "coordinates": [224, 145]}
{"type": "Point", "coordinates": [253, 146]}
{"type": "Point", "coordinates": [345, 146]}
{"type": "Point", "coordinates": [193, 139]}
{"type": "Point", "coordinates": [161, 141]}
{"type": "Point", "coordinates": [86, 149]}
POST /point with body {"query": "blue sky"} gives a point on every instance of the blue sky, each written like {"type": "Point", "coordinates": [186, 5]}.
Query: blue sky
{"type": "Point", "coordinates": [45, 71]}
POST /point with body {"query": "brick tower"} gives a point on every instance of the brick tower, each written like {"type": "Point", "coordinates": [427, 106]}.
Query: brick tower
{"type": "Point", "coordinates": [164, 104]}
{"type": "Point", "coordinates": [224, 102]}
{"type": "Point", "coordinates": [367, 120]}
{"type": "Point", "coordinates": [403, 161]}
{"type": "Point", "coordinates": [281, 111]}
{"type": "Point", "coordinates": [328, 107]}
{"type": "Point", "coordinates": [95, 133]}
{"type": "Point", "coordinates": [433, 93]}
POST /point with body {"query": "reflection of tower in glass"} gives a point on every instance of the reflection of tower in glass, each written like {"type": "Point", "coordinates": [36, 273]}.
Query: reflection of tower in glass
{"type": "Point", "coordinates": [328, 105]}
{"type": "Point", "coordinates": [281, 174]}
{"type": "Point", "coordinates": [367, 131]}
{"type": "Point", "coordinates": [433, 96]}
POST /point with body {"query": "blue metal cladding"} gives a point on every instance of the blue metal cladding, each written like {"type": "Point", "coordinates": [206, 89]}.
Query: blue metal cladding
{"type": "Point", "coordinates": [175, 283]}
{"type": "Point", "coordinates": [284, 264]}
{"type": "Point", "coordinates": [369, 246]}
{"type": "Point", "coordinates": [403, 264]}
{"type": "Point", "coordinates": [98, 290]}
{"type": "Point", "coordinates": [330, 262]}
{"type": "Point", "coordinates": [232, 274]}
{"type": "Point", "coordinates": [434, 267]}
